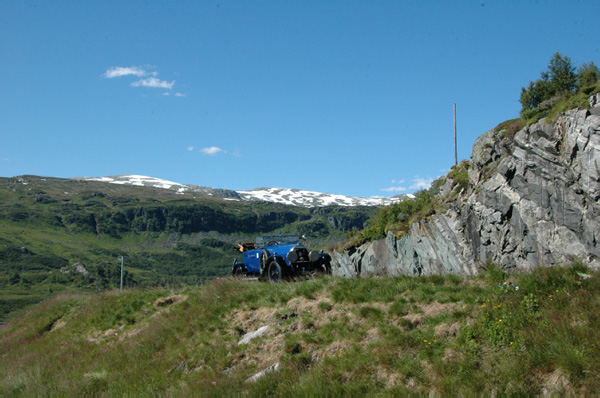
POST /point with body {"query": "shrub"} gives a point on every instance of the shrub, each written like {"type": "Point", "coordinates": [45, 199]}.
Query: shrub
{"type": "Point", "coordinates": [534, 94]}
{"type": "Point", "coordinates": [587, 74]}
{"type": "Point", "coordinates": [555, 87]}
{"type": "Point", "coordinates": [460, 175]}
{"type": "Point", "coordinates": [510, 127]}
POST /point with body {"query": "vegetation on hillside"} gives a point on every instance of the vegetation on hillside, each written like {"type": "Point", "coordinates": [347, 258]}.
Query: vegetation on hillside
{"type": "Point", "coordinates": [398, 217]}
{"type": "Point", "coordinates": [60, 236]}
{"type": "Point", "coordinates": [529, 333]}
{"type": "Point", "coordinates": [561, 87]}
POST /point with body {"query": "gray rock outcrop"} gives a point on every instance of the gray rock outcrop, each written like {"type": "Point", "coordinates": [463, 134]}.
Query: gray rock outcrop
{"type": "Point", "coordinates": [252, 335]}
{"type": "Point", "coordinates": [273, 368]}
{"type": "Point", "coordinates": [533, 200]}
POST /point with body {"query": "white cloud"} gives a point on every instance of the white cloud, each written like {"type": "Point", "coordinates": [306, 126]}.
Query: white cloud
{"type": "Point", "coordinates": [190, 148]}
{"type": "Point", "coordinates": [421, 183]}
{"type": "Point", "coordinates": [394, 189]}
{"type": "Point", "coordinates": [153, 82]}
{"type": "Point", "coordinates": [417, 183]}
{"type": "Point", "coordinates": [118, 71]}
{"type": "Point", "coordinates": [147, 78]}
{"type": "Point", "coordinates": [398, 188]}
{"type": "Point", "coordinates": [211, 150]}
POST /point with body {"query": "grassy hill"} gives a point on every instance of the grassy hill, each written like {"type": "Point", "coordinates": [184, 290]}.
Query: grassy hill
{"type": "Point", "coordinates": [524, 333]}
{"type": "Point", "coordinates": [59, 236]}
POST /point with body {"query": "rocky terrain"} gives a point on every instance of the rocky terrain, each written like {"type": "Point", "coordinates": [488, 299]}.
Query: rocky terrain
{"type": "Point", "coordinates": [532, 200]}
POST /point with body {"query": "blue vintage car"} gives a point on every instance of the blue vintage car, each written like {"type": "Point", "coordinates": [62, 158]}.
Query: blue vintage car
{"type": "Point", "coordinates": [276, 257]}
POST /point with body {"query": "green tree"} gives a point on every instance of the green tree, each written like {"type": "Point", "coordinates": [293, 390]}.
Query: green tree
{"type": "Point", "coordinates": [559, 78]}
{"type": "Point", "coordinates": [561, 74]}
{"type": "Point", "coordinates": [535, 94]}
{"type": "Point", "coordinates": [587, 74]}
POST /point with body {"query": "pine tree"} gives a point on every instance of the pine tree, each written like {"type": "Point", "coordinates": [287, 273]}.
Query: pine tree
{"type": "Point", "coordinates": [561, 74]}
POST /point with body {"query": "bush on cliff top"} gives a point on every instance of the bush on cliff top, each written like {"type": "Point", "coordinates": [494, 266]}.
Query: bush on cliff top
{"type": "Point", "coordinates": [561, 87]}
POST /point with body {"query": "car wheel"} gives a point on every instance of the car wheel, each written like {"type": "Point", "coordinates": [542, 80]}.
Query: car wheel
{"type": "Point", "coordinates": [323, 268]}
{"type": "Point", "coordinates": [275, 272]}
{"type": "Point", "coordinates": [264, 255]}
{"type": "Point", "coordinates": [238, 271]}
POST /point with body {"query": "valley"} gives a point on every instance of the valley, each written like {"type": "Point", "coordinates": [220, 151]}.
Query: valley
{"type": "Point", "coordinates": [65, 235]}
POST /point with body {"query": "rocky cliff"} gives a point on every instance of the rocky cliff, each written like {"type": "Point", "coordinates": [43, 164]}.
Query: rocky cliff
{"type": "Point", "coordinates": [532, 200]}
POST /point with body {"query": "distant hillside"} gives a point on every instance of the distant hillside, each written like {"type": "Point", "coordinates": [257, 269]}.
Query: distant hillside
{"type": "Point", "coordinates": [66, 235]}
{"type": "Point", "coordinates": [294, 197]}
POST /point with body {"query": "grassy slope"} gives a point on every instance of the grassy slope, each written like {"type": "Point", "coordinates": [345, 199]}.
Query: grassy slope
{"type": "Point", "coordinates": [62, 222]}
{"type": "Point", "coordinates": [443, 334]}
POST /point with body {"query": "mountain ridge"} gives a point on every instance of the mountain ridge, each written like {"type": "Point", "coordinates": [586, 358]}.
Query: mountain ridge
{"type": "Point", "coordinates": [288, 196]}
{"type": "Point", "coordinates": [50, 225]}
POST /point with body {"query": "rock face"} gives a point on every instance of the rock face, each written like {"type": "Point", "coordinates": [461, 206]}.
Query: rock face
{"type": "Point", "coordinates": [533, 200]}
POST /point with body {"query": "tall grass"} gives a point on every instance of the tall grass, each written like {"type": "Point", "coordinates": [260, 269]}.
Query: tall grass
{"type": "Point", "coordinates": [525, 333]}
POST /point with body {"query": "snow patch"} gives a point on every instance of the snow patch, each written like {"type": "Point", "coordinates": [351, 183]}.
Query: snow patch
{"type": "Point", "coordinates": [287, 196]}
{"type": "Point", "coordinates": [142, 181]}
{"type": "Point", "coordinates": [298, 197]}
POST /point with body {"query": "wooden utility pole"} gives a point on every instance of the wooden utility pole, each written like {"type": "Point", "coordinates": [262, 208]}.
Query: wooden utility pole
{"type": "Point", "coordinates": [122, 258]}
{"type": "Point", "coordinates": [455, 157]}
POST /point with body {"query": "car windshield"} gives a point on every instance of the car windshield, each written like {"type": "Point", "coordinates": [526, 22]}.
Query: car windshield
{"type": "Point", "coordinates": [271, 240]}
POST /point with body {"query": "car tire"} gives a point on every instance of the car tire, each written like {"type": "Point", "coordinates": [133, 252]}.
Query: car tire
{"type": "Point", "coordinates": [323, 268]}
{"type": "Point", "coordinates": [275, 272]}
{"type": "Point", "coordinates": [239, 271]}
{"type": "Point", "coordinates": [262, 262]}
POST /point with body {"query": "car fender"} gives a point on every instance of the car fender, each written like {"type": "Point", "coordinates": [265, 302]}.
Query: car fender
{"type": "Point", "coordinates": [316, 257]}
{"type": "Point", "coordinates": [279, 259]}
{"type": "Point", "coordinates": [264, 259]}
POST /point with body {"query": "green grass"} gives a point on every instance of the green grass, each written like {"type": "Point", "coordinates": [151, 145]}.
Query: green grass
{"type": "Point", "coordinates": [401, 335]}
{"type": "Point", "coordinates": [560, 104]}
{"type": "Point", "coordinates": [48, 224]}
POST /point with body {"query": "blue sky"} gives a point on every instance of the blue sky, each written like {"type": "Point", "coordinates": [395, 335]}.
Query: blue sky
{"type": "Point", "coordinates": [344, 97]}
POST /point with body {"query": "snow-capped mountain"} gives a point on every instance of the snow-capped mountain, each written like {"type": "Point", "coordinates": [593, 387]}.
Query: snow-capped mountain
{"type": "Point", "coordinates": [295, 197]}
{"type": "Point", "coordinates": [142, 181]}
{"type": "Point", "coordinates": [299, 197]}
